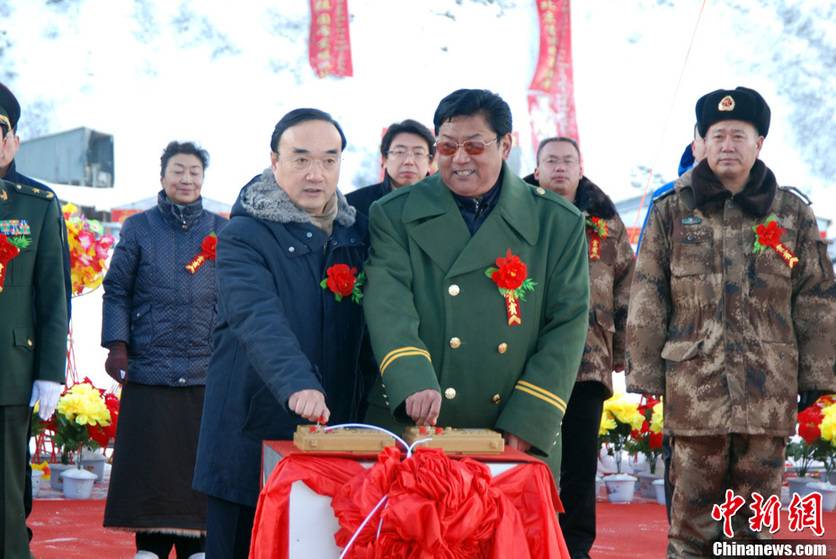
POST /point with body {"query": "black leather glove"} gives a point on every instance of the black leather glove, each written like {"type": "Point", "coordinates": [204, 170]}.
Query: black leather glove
{"type": "Point", "coordinates": [807, 398]}
{"type": "Point", "coordinates": [117, 362]}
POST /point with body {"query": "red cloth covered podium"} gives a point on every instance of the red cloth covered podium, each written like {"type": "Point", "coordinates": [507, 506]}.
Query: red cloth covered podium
{"type": "Point", "coordinates": [427, 506]}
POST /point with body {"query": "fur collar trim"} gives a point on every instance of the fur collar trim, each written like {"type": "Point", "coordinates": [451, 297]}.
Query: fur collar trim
{"type": "Point", "coordinates": [263, 199]}
{"type": "Point", "coordinates": [755, 198]}
{"type": "Point", "coordinates": [591, 199]}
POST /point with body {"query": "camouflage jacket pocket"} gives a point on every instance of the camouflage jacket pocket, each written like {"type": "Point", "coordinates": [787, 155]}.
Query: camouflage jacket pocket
{"type": "Point", "coordinates": [692, 251]}
{"type": "Point", "coordinates": [679, 351]}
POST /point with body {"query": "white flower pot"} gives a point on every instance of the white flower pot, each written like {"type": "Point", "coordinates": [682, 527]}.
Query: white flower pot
{"type": "Point", "coordinates": [55, 471]}
{"type": "Point", "coordinates": [620, 488]}
{"type": "Point", "coordinates": [799, 485]}
{"type": "Point", "coordinates": [94, 462]}
{"type": "Point", "coordinates": [828, 494]}
{"type": "Point", "coordinates": [659, 489]}
{"type": "Point", "coordinates": [646, 480]}
{"type": "Point", "coordinates": [78, 483]}
{"type": "Point", "coordinates": [36, 481]}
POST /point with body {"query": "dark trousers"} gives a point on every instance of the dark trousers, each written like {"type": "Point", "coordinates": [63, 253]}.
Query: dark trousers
{"type": "Point", "coordinates": [27, 481]}
{"type": "Point", "coordinates": [228, 529]}
{"type": "Point", "coordinates": [579, 465]}
{"type": "Point", "coordinates": [14, 421]}
{"type": "Point", "coordinates": [161, 544]}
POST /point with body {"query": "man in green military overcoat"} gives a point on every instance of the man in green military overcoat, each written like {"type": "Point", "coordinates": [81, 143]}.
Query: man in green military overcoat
{"type": "Point", "coordinates": [33, 338]}
{"type": "Point", "coordinates": [478, 290]}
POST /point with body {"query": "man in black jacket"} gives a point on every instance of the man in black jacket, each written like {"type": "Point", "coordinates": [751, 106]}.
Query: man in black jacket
{"type": "Point", "coordinates": [406, 152]}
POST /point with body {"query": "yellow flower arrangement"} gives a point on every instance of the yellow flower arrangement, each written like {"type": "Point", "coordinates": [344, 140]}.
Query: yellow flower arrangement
{"type": "Point", "coordinates": [619, 419]}
{"type": "Point", "coordinates": [80, 409]}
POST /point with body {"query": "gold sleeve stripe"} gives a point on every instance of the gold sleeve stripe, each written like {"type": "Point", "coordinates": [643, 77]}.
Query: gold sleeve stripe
{"type": "Point", "coordinates": [402, 352]}
{"type": "Point", "coordinates": [544, 395]}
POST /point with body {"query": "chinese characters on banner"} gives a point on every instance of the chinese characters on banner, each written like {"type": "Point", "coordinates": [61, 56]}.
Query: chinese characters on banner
{"type": "Point", "coordinates": [551, 95]}
{"type": "Point", "coordinates": [329, 45]}
{"type": "Point", "coordinates": [803, 512]}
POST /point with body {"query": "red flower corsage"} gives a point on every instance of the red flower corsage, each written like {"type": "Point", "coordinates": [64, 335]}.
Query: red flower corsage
{"type": "Point", "coordinates": [597, 230]}
{"type": "Point", "coordinates": [7, 252]}
{"type": "Point", "coordinates": [343, 282]}
{"type": "Point", "coordinates": [208, 248]}
{"type": "Point", "coordinates": [511, 277]}
{"type": "Point", "coordinates": [768, 234]}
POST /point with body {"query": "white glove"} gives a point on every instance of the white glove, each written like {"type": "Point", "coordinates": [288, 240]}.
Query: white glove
{"type": "Point", "coordinates": [48, 392]}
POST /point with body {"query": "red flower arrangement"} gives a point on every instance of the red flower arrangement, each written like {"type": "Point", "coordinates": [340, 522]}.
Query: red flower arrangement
{"type": "Point", "coordinates": [813, 445]}
{"type": "Point", "coordinates": [648, 439]}
{"type": "Point", "coordinates": [511, 277]}
{"type": "Point", "coordinates": [768, 234]}
{"type": "Point", "coordinates": [7, 252]}
{"type": "Point", "coordinates": [208, 250]}
{"type": "Point", "coordinates": [344, 282]}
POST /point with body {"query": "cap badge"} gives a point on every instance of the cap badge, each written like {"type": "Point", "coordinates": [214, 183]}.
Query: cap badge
{"type": "Point", "coordinates": [726, 104]}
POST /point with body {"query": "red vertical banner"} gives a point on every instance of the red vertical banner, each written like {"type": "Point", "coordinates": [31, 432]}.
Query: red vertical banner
{"type": "Point", "coordinates": [329, 45]}
{"type": "Point", "coordinates": [551, 95]}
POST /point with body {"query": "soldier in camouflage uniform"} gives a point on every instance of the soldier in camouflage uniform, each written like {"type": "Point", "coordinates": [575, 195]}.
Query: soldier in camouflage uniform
{"type": "Point", "coordinates": [611, 263]}
{"type": "Point", "coordinates": [731, 316]}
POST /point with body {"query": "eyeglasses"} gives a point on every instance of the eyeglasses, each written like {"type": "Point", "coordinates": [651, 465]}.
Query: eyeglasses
{"type": "Point", "coordinates": [403, 154]}
{"type": "Point", "coordinates": [566, 162]}
{"type": "Point", "coordinates": [471, 147]}
{"type": "Point", "coordinates": [302, 163]}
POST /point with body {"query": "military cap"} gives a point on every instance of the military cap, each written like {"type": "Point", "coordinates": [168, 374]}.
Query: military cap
{"type": "Point", "coordinates": [740, 103]}
{"type": "Point", "coordinates": [9, 108]}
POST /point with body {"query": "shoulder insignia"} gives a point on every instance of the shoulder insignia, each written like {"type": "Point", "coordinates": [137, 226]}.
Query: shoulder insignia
{"type": "Point", "coordinates": [797, 192]}
{"type": "Point", "coordinates": [33, 191]}
{"type": "Point", "coordinates": [659, 195]}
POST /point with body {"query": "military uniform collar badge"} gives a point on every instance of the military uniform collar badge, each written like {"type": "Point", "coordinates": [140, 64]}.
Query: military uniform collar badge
{"type": "Point", "coordinates": [4, 196]}
{"type": "Point", "coordinates": [726, 104]}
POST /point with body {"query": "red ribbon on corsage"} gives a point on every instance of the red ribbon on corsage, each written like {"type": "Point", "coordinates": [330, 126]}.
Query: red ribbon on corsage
{"type": "Point", "coordinates": [511, 277]}
{"type": "Point", "coordinates": [597, 230]}
{"type": "Point", "coordinates": [208, 248]}
{"type": "Point", "coordinates": [343, 282]}
{"type": "Point", "coordinates": [7, 252]}
{"type": "Point", "coordinates": [768, 234]}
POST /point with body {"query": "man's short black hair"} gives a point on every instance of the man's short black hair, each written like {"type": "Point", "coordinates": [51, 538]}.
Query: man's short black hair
{"type": "Point", "coordinates": [176, 148]}
{"type": "Point", "coordinates": [298, 116]}
{"type": "Point", "coordinates": [408, 126]}
{"type": "Point", "coordinates": [469, 102]}
{"type": "Point", "coordinates": [566, 139]}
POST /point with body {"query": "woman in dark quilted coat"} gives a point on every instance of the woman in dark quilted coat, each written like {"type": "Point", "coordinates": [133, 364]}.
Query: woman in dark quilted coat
{"type": "Point", "coordinates": [159, 310]}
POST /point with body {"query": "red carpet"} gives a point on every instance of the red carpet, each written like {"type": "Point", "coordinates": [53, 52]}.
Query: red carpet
{"type": "Point", "coordinates": [73, 530]}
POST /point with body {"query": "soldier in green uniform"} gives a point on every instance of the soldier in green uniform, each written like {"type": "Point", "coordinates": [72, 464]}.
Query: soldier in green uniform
{"type": "Point", "coordinates": [33, 337]}
{"type": "Point", "coordinates": [478, 290]}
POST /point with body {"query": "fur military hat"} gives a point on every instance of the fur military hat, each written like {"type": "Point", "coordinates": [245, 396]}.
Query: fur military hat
{"type": "Point", "coordinates": [9, 108]}
{"type": "Point", "coordinates": [740, 103]}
